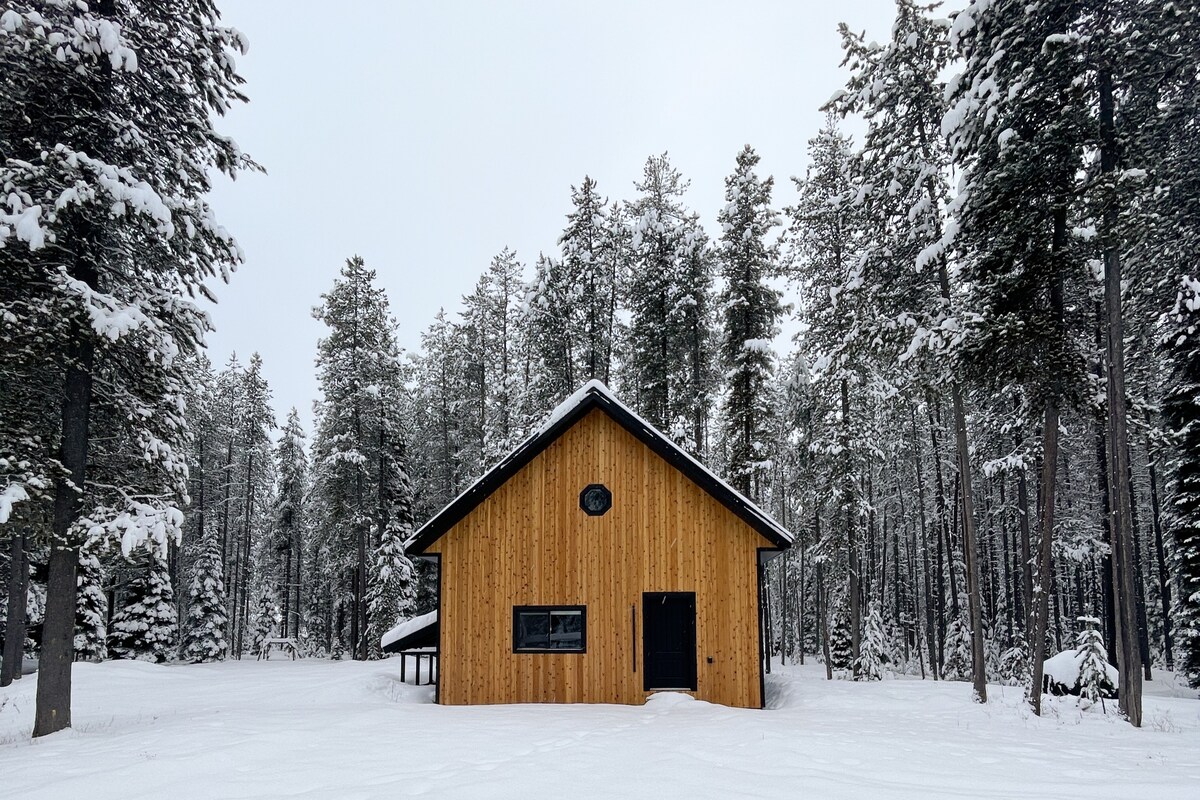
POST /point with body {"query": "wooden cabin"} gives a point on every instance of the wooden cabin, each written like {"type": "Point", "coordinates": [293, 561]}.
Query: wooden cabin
{"type": "Point", "coordinates": [599, 563]}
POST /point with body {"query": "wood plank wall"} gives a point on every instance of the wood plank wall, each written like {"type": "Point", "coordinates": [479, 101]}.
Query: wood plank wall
{"type": "Point", "coordinates": [531, 544]}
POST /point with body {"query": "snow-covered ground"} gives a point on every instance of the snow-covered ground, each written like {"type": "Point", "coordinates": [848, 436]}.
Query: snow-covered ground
{"type": "Point", "coordinates": [351, 731]}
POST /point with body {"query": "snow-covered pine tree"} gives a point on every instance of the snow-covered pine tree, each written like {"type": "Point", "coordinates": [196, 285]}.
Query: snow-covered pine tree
{"type": "Point", "coordinates": [841, 656]}
{"type": "Point", "coordinates": [393, 594]}
{"type": "Point", "coordinates": [751, 309]}
{"type": "Point", "coordinates": [552, 328]}
{"type": "Point", "coordinates": [108, 238]}
{"type": "Point", "coordinates": [1016, 125]}
{"type": "Point", "coordinates": [1181, 414]}
{"type": "Point", "coordinates": [91, 608]}
{"type": "Point", "coordinates": [874, 657]}
{"type": "Point", "coordinates": [667, 349]}
{"type": "Point", "coordinates": [290, 522]}
{"type": "Point", "coordinates": [439, 392]}
{"type": "Point", "coordinates": [492, 311]}
{"type": "Point", "coordinates": [1094, 684]}
{"type": "Point", "coordinates": [583, 244]}
{"type": "Point", "coordinates": [1014, 665]}
{"type": "Point", "coordinates": [354, 465]}
{"type": "Point", "coordinates": [206, 626]}
{"type": "Point", "coordinates": [146, 625]}
{"type": "Point", "coordinates": [903, 274]}
{"type": "Point", "coordinates": [956, 660]}
{"type": "Point", "coordinates": [255, 467]}
{"type": "Point", "coordinates": [267, 618]}
{"type": "Point", "coordinates": [825, 236]}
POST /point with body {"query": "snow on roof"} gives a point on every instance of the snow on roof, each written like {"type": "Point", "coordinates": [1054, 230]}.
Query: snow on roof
{"type": "Point", "coordinates": [596, 389]}
{"type": "Point", "coordinates": [407, 628]}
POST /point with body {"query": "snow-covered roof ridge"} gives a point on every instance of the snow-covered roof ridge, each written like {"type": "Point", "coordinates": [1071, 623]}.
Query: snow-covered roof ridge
{"type": "Point", "coordinates": [595, 393]}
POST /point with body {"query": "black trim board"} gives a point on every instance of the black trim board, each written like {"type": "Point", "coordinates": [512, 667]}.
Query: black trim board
{"type": "Point", "coordinates": [764, 555]}
{"type": "Point", "coordinates": [453, 513]}
{"type": "Point", "coordinates": [437, 686]}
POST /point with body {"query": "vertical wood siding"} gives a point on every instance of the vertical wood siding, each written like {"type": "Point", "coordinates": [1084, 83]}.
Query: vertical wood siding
{"type": "Point", "coordinates": [529, 543]}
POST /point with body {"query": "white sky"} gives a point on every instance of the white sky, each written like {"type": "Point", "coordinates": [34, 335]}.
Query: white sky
{"type": "Point", "coordinates": [427, 136]}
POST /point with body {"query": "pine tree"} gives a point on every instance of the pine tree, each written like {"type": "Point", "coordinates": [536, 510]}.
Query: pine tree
{"type": "Point", "coordinates": [825, 240]}
{"type": "Point", "coordinates": [1016, 126]}
{"type": "Point", "coordinates": [267, 618]}
{"type": "Point", "coordinates": [205, 631]}
{"type": "Point", "coordinates": [751, 310]}
{"type": "Point", "coordinates": [956, 663]}
{"type": "Point", "coordinates": [667, 349]}
{"type": "Point", "coordinates": [1094, 683]}
{"type": "Point", "coordinates": [841, 656]}
{"type": "Point", "coordinates": [584, 244]}
{"type": "Point", "coordinates": [875, 654]}
{"type": "Point", "coordinates": [1013, 669]}
{"type": "Point", "coordinates": [392, 596]}
{"type": "Point", "coordinates": [285, 573]}
{"type": "Point", "coordinates": [112, 173]}
{"type": "Point", "coordinates": [1181, 413]}
{"type": "Point", "coordinates": [91, 609]}
{"type": "Point", "coordinates": [359, 442]}
{"type": "Point", "coordinates": [146, 626]}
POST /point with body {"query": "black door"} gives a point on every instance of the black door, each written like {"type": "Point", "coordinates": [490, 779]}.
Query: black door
{"type": "Point", "coordinates": [669, 640]}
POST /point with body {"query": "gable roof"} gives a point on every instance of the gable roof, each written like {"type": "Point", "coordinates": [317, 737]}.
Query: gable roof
{"type": "Point", "coordinates": [595, 395]}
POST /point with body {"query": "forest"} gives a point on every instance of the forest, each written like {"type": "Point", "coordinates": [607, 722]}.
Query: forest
{"type": "Point", "coordinates": [963, 368]}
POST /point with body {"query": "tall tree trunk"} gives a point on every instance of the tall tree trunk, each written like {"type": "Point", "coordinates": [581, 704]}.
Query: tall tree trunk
{"type": "Point", "coordinates": [14, 627]}
{"type": "Point", "coordinates": [1128, 655]}
{"type": "Point", "coordinates": [823, 615]}
{"type": "Point", "coordinates": [1042, 599]}
{"type": "Point", "coordinates": [935, 663]}
{"type": "Point", "coordinates": [1027, 623]}
{"type": "Point", "coordinates": [979, 665]}
{"type": "Point", "coordinates": [852, 541]}
{"type": "Point", "coordinates": [1164, 579]}
{"type": "Point", "coordinates": [244, 560]}
{"type": "Point", "coordinates": [1139, 584]}
{"type": "Point", "coordinates": [58, 627]}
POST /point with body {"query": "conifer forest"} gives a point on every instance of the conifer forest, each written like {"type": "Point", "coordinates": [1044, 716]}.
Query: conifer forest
{"type": "Point", "coordinates": [962, 366]}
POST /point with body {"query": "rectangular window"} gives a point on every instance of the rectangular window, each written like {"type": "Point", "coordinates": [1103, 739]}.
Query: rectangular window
{"type": "Point", "coordinates": [549, 629]}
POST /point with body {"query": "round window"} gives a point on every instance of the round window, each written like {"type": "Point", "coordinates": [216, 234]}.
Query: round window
{"type": "Point", "coordinates": [595, 499]}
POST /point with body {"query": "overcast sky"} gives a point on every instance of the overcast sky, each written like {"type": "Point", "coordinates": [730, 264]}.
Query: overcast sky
{"type": "Point", "coordinates": [427, 136]}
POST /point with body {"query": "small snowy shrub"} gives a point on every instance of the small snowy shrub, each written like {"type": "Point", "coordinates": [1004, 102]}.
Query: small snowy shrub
{"type": "Point", "coordinates": [1013, 669]}
{"type": "Point", "coordinates": [1094, 683]}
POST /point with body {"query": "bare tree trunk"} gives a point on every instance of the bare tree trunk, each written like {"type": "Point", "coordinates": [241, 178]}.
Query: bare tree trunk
{"type": "Point", "coordinates": [1139, 584]}
{"type": "Point", "coordinates": [1042, 600]}
{"type": "Point", "coordinates": [1128, 656]}
{"type": "Point", "coordinates": [1027, 624]}
{"type": "Point", "coordinates": [852, 542]}
{"type": "Point", "coordinates": [1164, 579]}
{"type": "Point", "coordinates": [823, 615]}
{"type": "Point", "coordinates": [58, 626]}
{"type": "Point", "coordinates": [14, 627]}
{"type": "Point", "coordinates": [979, 666]}
{"type": "Point", "coordinates": [800, 604]}
{"type": "Point", "coordinates": [934, 662]}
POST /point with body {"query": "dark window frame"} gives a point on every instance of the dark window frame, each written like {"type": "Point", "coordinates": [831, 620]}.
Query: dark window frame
{"type": "Point", "coordinates": [518, 610]}
{"type": "Point", "coordinates": [606, 493]}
